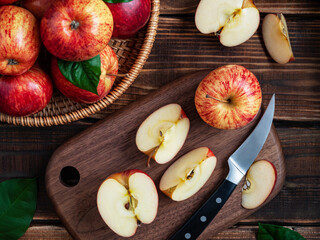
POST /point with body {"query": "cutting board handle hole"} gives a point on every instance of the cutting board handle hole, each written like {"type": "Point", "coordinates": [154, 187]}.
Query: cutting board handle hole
{"type": "Point", "coordinates": [69, 176]}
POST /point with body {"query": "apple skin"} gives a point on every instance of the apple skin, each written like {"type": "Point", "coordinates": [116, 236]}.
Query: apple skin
{"type": "Point", "coordinates": [129, 17]}
{"type": "Point", "coordinates": [19, 40]}
{"type": "Point", "coordinates": [76, 30]}
{"type": "Point", "coordinates": [25, 94]}
{"type": "Point", "coordinates": [240, 90]}
{"type": "Point", "coordinates": [7, 2]}
{"type": "Point", "coordinates": [37, 7]}
{"type": "Point", "coordinates": [109, 65]}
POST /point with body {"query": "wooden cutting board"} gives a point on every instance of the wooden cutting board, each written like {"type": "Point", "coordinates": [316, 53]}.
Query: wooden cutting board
{"type": "Point", "coordinates": [109, 146]}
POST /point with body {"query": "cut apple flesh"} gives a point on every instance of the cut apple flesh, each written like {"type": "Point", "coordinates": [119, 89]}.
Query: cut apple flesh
{"type": "Point", "coordinates": [211, 15]}
{"type": "Point", "coordinates": [122, 207]}
{"type": "Point", "coordinates": [259, 183]}
{"type": "Point", "coordinates": [240, 27]}
{"type": "Point", "coordinates": [163, 133]}
{"type": "Point", "coordinates": [188, 174]}
{"type": "Point", "coordinates": [276, 38]}
{"type": "Point", "coordinates": [237, 20]}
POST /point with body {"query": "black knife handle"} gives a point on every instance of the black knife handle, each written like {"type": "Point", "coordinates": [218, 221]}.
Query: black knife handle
{"type": "Point", "coordinates": [204, 215]}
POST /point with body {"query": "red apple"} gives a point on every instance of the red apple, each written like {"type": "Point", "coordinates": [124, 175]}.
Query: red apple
{"type": "Point", "coordinates": [260, 181]}
{"type": "Point", "coordinates": [25, 94]}
{"type": "Point", "coordinates": [129, 17]}
{"type": "Point", "coordinates": [126, 199]}
{"type": "Point", "coordinates": [7, 2]}
{"type": "Point", "coordinates": [228, 97]}
{"type": "Point", "coordinates": [109, 65]}
{"type": "Point", "coordinates": [19, 40]}
{"type": "Point", "coordinates": [76, 30]}
{"type": "Point", "coordinates": [37, 7]}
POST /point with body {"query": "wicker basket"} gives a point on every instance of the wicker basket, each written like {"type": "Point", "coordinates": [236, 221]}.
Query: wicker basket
{"type": "Point", "coordinates": [132, 55]}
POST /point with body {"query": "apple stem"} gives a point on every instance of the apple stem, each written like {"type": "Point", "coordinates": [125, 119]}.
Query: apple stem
{"type": "Point", "coordinates": [220, 100]}
{"type": "Point", "coordinates": [74, 24]}
{"type": "Point", "coordinates": [151, 155]}
{"type": "Point", "coordinates": [117, 75]}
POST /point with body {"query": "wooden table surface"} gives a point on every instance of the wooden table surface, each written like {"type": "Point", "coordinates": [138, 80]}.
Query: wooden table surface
{"type": "Point", "coordinates": [180, 49]}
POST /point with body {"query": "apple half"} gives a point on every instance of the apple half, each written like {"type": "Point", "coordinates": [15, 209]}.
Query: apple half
{"type": "Point", "coordinates": [234, 21]}
{"type": "Point", "coordinates": [276, 38]}
{"type": "Point", "coordinates": [259, 183]}
{"type": "Point", "coordinates": [162, 134]}
{"type": "Point", "coordinates": [188, 174]}
{"type": "Point", "coordinates": [127, 199]}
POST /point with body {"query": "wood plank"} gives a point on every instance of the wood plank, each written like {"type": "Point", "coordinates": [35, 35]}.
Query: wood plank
{"type": "Point", "coordinates": [52, 232]}
{"type": "Point", "coordinates": [267, 6]}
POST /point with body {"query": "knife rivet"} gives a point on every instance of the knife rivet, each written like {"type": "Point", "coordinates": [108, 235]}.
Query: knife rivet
{"type": "Point", "coordinates": [203, 218]}
{"type": "Point", "coordinates": [187, 236]}
{"type": "Point", "coordinates": [218, 200]}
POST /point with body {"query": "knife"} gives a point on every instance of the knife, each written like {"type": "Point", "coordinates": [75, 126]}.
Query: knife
{"type": "Point", "coordinates": [239, 163]}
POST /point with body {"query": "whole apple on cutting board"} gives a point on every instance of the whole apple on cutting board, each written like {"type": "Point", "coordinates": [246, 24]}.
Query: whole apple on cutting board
{"type": "Point", "coordinates": [19, 40]}
{"type": "Point", "coordinates": [127, 199]}
{"type": "Point", "coordinates": [162, 134]}
{"type": "Point", "coordinates": [186, 176]}
{"type": "Point", "coordinates": [229, 97]}
{"type": "Point", "coordinates": [233, 21]}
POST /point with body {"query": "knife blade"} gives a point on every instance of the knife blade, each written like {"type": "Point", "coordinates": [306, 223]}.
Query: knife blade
{"type": "Point", "coordinates": [239, 163]}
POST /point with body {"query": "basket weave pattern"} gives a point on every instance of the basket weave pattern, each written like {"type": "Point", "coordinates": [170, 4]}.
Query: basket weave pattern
{"type": "Point", "coordinates": [132, 55]}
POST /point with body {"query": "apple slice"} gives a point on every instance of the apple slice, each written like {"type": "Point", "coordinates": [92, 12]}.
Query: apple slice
{"type": "Point", "coordinates": [162, 134]}
{"type": "Point", "coordinates": [188, 174]}
{"type": "Point", "coordinates": [127, 199]}
{"type": "Point", "coordinates": [237, 20]}
{"type": "Point", "coordinates": [276, 38]}
{"type": "Point", "coordinates": [260, 181]}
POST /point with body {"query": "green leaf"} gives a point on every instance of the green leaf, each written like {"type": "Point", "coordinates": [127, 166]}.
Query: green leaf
{"type": "Point", "coordinates": [117, 1]}
{"type": "Point", "coordinates": [85, 74]}
{"type": "Point", "coordinates": [18, 198]}
{"type": "Point", "coordinates": [274, 232]}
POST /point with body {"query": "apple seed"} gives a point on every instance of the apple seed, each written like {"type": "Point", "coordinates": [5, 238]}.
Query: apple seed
{"type": "Point", "coordinates": [190, 174]}
{"type": "Point", "coordinates": [246, 185]}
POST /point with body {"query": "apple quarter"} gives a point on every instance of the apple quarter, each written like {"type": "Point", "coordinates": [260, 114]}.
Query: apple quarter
{"type": "Point", "coordinates": [276, 38]}
{"type": "Point", "coordinates": [188, 174]}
